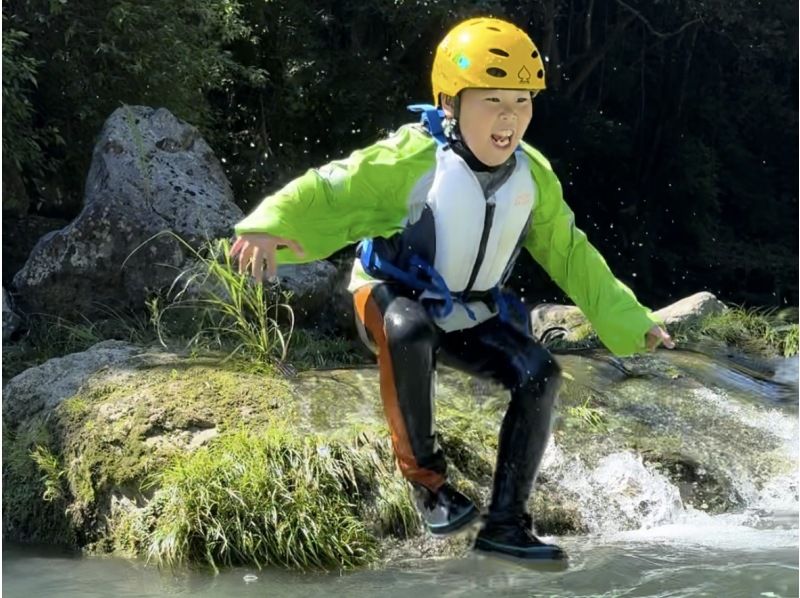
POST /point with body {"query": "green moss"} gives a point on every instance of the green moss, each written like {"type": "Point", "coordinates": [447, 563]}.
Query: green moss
{"type": "Point", "coordinates": [107, 436]}
{"type": "Point", "coordinates": [34, 503]}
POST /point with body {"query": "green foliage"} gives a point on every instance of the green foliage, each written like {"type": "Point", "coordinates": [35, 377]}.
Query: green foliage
{"type": "Point", "coordinates": [21, 141]}
{"type": "Point", "coordinates": [227, 310]}
{"type": "Point", "coordinates": [271, 499]}
{"type": "Point", "coordinates": [93, 56]}
{"type": "Point", "coordinates": [668, 123]}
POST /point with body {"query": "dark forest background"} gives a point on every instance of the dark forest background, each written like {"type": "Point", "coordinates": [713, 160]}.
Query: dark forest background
{"type": "Point", "coordinates": [671, 124]}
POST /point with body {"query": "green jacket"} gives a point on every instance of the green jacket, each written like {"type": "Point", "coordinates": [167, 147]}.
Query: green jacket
{"type": "Point", "coordinates": [366, 195]}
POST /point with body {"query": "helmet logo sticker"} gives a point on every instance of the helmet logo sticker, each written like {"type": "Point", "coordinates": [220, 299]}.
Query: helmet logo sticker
{"type": "Point", "coordinates": [462, 61]}
{"type": "Point", "coordinates": [524, 75]}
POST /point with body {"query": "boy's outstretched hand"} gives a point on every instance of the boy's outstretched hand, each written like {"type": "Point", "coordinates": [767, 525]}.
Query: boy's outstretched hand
{"type": "Point", "coordinates": [657, 335]}
{"type": "Point", "coordinates": [256, 248]}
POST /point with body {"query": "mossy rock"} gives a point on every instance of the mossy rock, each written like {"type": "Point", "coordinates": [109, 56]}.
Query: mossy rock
{"type": "Point", "coordinates": [203, 459]}
{"type": "Point", "coordinates": [137, 453]}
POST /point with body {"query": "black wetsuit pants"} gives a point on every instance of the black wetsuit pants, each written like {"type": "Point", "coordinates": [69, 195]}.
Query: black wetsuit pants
{"type": "Point", "coordinates": [408, 345]}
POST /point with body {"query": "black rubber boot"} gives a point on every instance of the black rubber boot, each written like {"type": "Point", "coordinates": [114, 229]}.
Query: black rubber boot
{"type": "Point", "coordinates": [446, 511]}
{"type": "Point", "coordinates": [523, 438]}
{"type": "Point", "coordinates": [514, 540]}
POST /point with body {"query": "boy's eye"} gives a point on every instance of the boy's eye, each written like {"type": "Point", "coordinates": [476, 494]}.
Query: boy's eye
{"type": "Point", "coordinates": [520, 100]}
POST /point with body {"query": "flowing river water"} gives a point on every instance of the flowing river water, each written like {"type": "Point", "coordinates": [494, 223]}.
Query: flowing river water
{"type": "Point", "coordinates": [642, 541]}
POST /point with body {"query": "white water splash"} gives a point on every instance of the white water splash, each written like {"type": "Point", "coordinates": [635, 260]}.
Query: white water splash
{"type": "Point", "coordinates": [620, 493]}
{"type": "Point", "coordinates": [622, 498]}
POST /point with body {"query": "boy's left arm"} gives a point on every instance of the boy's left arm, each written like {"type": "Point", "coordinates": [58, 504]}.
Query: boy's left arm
{"type": "Point", "coordinates": [623, 324]}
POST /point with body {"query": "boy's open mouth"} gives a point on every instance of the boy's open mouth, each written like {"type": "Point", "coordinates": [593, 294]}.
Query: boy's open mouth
{"type": "Point", "coordinates": [502, 139]}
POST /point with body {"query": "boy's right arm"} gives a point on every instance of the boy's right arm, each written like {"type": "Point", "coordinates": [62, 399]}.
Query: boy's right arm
{"type": "Point", "coordinates": [341, 203]}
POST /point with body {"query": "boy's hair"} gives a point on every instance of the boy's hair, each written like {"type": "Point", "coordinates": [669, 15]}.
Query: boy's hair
{"type": "Point", "coordinates": [486, 53]}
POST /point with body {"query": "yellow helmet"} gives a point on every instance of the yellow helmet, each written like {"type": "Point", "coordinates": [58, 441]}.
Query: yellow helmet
{"type": "Point", "coordinates": [486, 53]}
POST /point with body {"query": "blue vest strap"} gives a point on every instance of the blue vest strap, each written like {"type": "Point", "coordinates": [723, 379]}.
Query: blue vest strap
{"type": "Point", "coordinates": [431, 119]}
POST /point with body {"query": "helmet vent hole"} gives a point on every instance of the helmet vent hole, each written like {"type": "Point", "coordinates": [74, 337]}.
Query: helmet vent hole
{"type": "Point", "coordinates": [496, 72]}
{"type": "Point", "coordinates": [535, 54]}
{"type": "Point", "coordinates": [499, 52]}
{"type": "Point", "coordinates": [493, 29]}
{"type": "Point", "coordinates": [540, 74]}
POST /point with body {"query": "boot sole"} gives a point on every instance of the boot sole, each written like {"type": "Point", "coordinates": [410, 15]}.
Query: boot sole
{"type": "Point", "coordinates": [463, 524]}
{"type": "Point", "coordinates": [538, 562]}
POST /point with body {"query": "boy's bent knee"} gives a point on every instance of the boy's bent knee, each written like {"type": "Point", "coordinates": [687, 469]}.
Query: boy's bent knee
{"type": "Point", "coordinates": [539, 371]}
{"type": "Point", "coordinates": [407, 322]}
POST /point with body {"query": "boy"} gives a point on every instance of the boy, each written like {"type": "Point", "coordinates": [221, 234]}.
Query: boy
{"type": "Point", "coordinates": [442, 211]}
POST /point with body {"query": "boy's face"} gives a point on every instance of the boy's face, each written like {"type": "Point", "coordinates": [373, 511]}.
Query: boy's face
{"type": "Point", "coordinates": [492, 121]}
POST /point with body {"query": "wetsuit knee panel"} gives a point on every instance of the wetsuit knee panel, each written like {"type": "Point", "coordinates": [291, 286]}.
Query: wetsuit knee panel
{"type": "Point", "coordinates": [407, 322]}
{"type": "Point", "coordinates": [538, 368]}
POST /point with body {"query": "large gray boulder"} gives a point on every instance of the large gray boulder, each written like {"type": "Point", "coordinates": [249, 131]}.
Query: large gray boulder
{"type": "Point", "coordinates": [20, 235]}
{"type": "Point", "coordinates": [692, 309]}
{"type": "Point", "coordinates": [311, 287]}
{"type": "Point", "coordinates": [150, 173]}
{"type": "Point", "coordinates": [93, 429]}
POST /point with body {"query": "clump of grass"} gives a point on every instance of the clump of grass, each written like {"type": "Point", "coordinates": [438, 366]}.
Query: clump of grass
{"type": "Point", "coordinates": [34, 506]}
{"type": "Point", "coordinates": [268, 499]}
{"type": "Point", "coordinates": [52, 473]}
{"type": "Point", "coordinates": [226, 310]}
{"type": "Point", "coordinates": [590, 416]}
{"type": "Point", "coordinates": [791, 341]}
{"type": "Point", "coordinates": [755, 330]}
{"type": "Point", "coordinates": [312, 350]}
{"type": "Point", "coordinates": [383, 492]}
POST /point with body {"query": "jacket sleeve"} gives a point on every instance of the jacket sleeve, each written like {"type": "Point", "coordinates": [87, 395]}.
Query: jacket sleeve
{"type": "Point", "coordinates": [340, 203]}
{"type": "Point", "coordinates": [565, 253]}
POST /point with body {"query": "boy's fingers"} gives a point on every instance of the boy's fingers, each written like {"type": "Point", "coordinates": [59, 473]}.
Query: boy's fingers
{"type": "Point", "coordinates": [668, 342]}
{"type": "Point", "coordinates": [258, 263]}
{"type": "Point", "coordinates": [272, 267]}
{"type": "Point", "coordinates": [237, 245]}
{"type": "Point", "coordinates": [243, 256]}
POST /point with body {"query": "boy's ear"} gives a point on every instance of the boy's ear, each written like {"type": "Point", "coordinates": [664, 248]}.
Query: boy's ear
{"type": "Point", "coordinates": [447, 105]}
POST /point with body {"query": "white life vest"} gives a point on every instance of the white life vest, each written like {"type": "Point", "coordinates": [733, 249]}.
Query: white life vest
{"type": "Point", "coordinates": [455, 198]}
{"type": "Point", "coordinates": [459, 210]}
